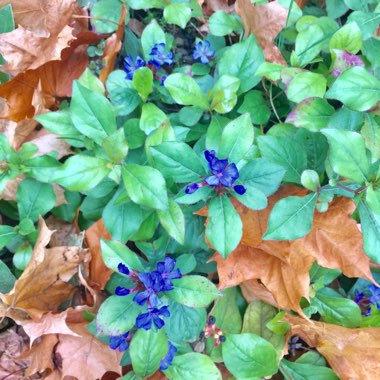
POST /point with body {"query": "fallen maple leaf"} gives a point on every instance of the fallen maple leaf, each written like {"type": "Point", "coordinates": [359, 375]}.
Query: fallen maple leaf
{"type": "Point", "coordinates": [264, 22]}
{"type": "Point", "coordinates": [99, 273]}
{"type": "Point", "coordinates": [354, 354]}
{"type": "Point", "coordinates": [53, 268]}
{"type": "Point", "coordinates": [254, 290]}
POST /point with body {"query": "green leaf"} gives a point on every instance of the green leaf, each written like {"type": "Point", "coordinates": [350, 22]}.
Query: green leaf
{"type": "Point", "coordinates": [262, 174]}
{"type": "Point", "coordinates": [106, 10]}
{"type": "Point", "coordinates": [114, 253]}
{"type": "Point", "coordinates": [7, 279]}
{"type": "Point", "coordinates": [34, 199]}
{"type": "Point", "coordinates": [356, 88]}
{"type": "Point", "coordinates": [22, 256]}
{"type": "Point", "coordinates": [367, 22]}
{"type": "Point", "coordinates": [80, 173]}
{"type": "Point", "coordinates": [115, 146]}
{"type": "Point", "coordinates": [286, 152]}
{"type": "Point", "coordinates": [248, 356]}
{"type": "Point", "coordinates": [269, 70]}
{"type": "Point", "coordinates": [347, 154]}
{"type": "Point", "coordinates": [253, 198]}
{"type": "Point", "coordinates": [256, 317]}
{"type": "Point", "coordinates": [178, 14]}
{"type": "Point", "coordinates": [186, 91]}
{"type": "Point", "coordinates": [237, 138]}
{"type": "Point", "coordinates": [146, 4]}
{"type": "Point", "coordinates": [306, 85]}
{"type": "Point", "coordinates": [373, 199]}
{"type": "Point", "coordinates": [173, 221]}
{"type": "Point", "coordinates": [151, 118]}
{"type": "Point", "coordinates": [309, 43]}
{"type": "Point", "coordinates": [228, 319]}
{"type": "Point", "coordinates": [147, 349]}
{"type": "Point", "coordinates": [310, 180]}
{"type": "Point", "coordinates": [291, 218]}
{"type": "Point", "coordinates": [176, 160]}
{"type": "Point", "coordinates": [257, 107]}
{"type": "Point", "coordinates": [91, 81]}
{"type": "Point", "coordinates": [224, 229]}
{"type": "Point", "coordinates": [340, 311]}
{"type": "Point", "coordinates": [92, 113]}
{"type": "Point", "coordinates": [348, 37]}
{"type": "Point", "coordinates": [185, 323]}
{"type": "Point", "coordinates": [371, 134]}
{"type": "Point", "coordinates": [223, 94]}
{"type": "Point", "coordinates": [7, 234]}
{"type": "Point", "coordinates": [193, 366]}
{"type": "Point", "coordinates": [299, 371]}
{"type": "Point", "coordinates": [242, 60]}
{"type": "Point", "coordinates": [117, 315]}
{"type": "Point", "coordinates": [312, 114]}
{"type": "Point", "coordinates": [134, 135]}
{"type": "Point", "coordinates": [221, 23]}
{"type": "Point", "coordinates": [143, 82]}
{"type": "Point", "coordinates": [370, 223]}
{"type": "Point", "coordinates": [152, 34]}
{"type": "Point", "coordinates": [6, 17]}
{"type": "Point", "coordinates": [193, 291]}
{"type": "Point", "coordinates": [145, 186]}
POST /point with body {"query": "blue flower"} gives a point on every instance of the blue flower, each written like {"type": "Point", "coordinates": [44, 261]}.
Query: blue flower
{"type": "Point", "coordinates": [359, 296]}
{"type": "Point", "coordinates": [203, 52]}
{"type": "Point", "coordinates": [144, 321]}
{"type": "Point", "coordinates": [160, 57]}
{"type": "Point", "coordinates": [167, 273]}
{"type": "Point", "coordinates": [120, 290]}
{"type": "Point", "coordinates": [130, 66]}
{"type": "Point", "coordinates": [223, 175]}
{"type": "Point", "coordinates": [119, 342]}
{"type": "Point", "coordinates": [162, 80]}
{"type": "Point", "coordinates": [375, 295]}
{"type": "Point", "coordinates": [152, 282]}
{"type": "Point", "coordinates": [168, 359]}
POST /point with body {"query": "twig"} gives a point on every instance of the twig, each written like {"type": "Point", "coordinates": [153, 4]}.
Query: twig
{"type": "Point", "coordinates": [272, 104]}
{"type": "Point", "coordinates": [197, 29]}
{"type": "Point", "coordinates": [356, 192]}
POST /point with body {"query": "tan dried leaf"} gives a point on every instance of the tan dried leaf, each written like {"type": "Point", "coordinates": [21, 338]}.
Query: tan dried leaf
{"type": "Point", "coordinates": [265, 22]}
{"type": "Point", "coordinates": [354, 354]}
{"type": "Point", "coordinates": [53, 268]}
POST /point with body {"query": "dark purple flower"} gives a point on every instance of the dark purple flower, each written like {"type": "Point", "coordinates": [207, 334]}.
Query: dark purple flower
{"type": "Point", "coordinates": [153, 284]}
{"type": "Point", "coordinates": [374, 299]}
{"type": "Point", "coordinates": [123, 269]}
{"type": "Point", "coordinates": [167, 273]}
{"type": "Point", "coordinates": [144, 321]}
{"type": "Point", "coordinates": [130, 66]}
{"type": "Point", "coordinates": [203, 52]}
{"type": "Point", "coordinates": [168, 359]}
{"type": "Point", "coordinates": [345, 60]}
{"type": "Point", "coordinates": [119, 342]}
{"type": "Point", "coordinates": [160, 56]}
{"type": "Point", "coordinates": [223, 175]}
{"type": "Point", "coordinates": [121, 291]}
{"type": "Point", "coordinates": [162, 80]}
{"type": "Point", "coordinates": [358, 296]}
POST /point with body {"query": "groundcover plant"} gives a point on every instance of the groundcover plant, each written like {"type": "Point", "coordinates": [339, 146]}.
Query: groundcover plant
{"type": "Point", "coordinates": [190, 189]}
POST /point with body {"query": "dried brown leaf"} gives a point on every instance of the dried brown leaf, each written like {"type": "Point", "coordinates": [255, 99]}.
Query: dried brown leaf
{"type": "Point", "coordinates": [354, 354]}
{"type": "Point", "coordinates": [265, 22]}
{"type": "Point", "coordinates": [99, 273]}
{"type": "Point", "coordinates": [254, 290]}
{"type": "Point", "coordinates": [53, 268]}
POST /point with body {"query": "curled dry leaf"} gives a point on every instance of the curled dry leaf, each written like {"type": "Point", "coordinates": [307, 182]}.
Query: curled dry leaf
{"type": "Point", "coordinates": [352, 353]}
{"type": "Point", "coordinates": [113, 45]}
{"type": "Point", "coordinates": [253, 290]}
{"type": "Point", "coordinates": [54, 268]}
{"type": "Point", "coordinates": [264, 22]}
{"type": "Point", "coordinates": [99, 273]}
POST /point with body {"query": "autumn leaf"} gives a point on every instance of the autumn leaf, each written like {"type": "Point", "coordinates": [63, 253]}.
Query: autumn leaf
{"type": "Point", "coordinates": [254, 290]}
{"type": "Point", "coordinates": [53, 268]}
{"type": "Point", "coordinates": [265, 22]}
{"type": "Point", "coordinates": [99, 273]}
{"type": "Point", "coordinates": [113, 45]}
{"type": "Point", "coordinates": [351, 353]}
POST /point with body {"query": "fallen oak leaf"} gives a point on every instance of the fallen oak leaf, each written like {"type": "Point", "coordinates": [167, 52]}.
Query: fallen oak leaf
{"type": "Point", "coordinates": [53, 268]}
{"type": "Point", "coordinates": [352, 353]}
{"type": "Point", "coordinates": [264, 22]}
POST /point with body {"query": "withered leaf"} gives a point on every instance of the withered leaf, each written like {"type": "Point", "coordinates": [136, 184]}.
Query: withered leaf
{"type": "Point", "coordinates": [265, 22]}
{"type": "Point", "coordinates": [53, 268]}
{"type": "Point", "coordinates": [352, 353]}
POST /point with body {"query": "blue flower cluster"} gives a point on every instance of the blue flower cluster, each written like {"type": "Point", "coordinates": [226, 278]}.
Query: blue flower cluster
{"type": "Point", "coordinates": [148, 285]}
{"type": "Point", "coordinates": [223, 175]}
{"type": "Point", "coordinates": [203, 52]}
{"type": "Point", "coordinates": [373, 299]}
